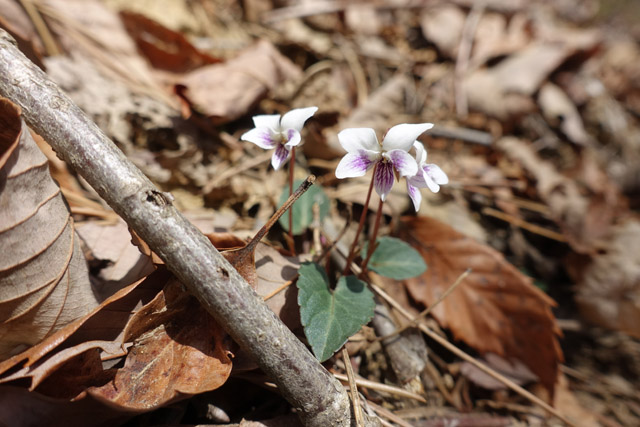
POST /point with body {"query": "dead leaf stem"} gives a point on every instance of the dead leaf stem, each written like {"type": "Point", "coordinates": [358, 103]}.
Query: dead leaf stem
{"type": "Point", "coordinates": [319, 398]}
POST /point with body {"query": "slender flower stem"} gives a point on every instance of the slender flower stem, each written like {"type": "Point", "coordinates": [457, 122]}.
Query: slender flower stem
{"type": "Point", "coordinates": [360, 225]}
{"type": "Point", "coordinates": [292, 163]}
{"type": "Point", "coordinates": [374, 236]}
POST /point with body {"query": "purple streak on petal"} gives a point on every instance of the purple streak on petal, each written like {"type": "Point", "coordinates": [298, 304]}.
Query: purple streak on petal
{"type": "Point", "coordinates": [416, 196]}
{"type": "Point", "coordinates": [383, 179]}
{"type": "Point", "coordinates": [355, 164]}
{"type": "Point", "coordinates": [280, 156]}
{"type": "Point", "coordinates": [260, 136]}
{"type": "Point", "coordinates": [293, 138]}
{"type": "Point", "coordinates": [403, 162]}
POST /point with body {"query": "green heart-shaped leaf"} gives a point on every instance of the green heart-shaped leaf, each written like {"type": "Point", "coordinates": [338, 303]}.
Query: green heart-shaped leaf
{"type": "Point", "coordinates": [330, 318]}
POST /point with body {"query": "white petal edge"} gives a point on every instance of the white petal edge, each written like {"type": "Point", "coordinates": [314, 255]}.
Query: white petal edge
{"type": "Point", "coordinates": [271, 121]}
{"type": "Point", "coordinates": [295, 119]}
{"type": "Point", "coordinates": [435, 173]}
{"type": "Point", "coordinates": [415, 194]}
{"type": "Point", "coordinates": [404, 163]}
{"type": "Point", "coordinates": [402, 136]}
{"type": "Point", "coordinates": [355, 164]}
{"type": "Point", "coordinates": [421, 153]}
{"type": "Point", "coordinates": [354, 139]}
{"type": "Point", "coordinates": [261, 136]}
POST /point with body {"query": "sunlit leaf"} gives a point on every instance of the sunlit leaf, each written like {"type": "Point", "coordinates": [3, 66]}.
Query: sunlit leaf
{"type": "Point", "coordinates": [395, 259]}
{"type": "Point", "coordinates": [330, 318]}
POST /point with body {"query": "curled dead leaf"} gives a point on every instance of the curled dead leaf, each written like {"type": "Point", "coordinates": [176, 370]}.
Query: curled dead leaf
{"type": "Point", "coordinates": [495, 309]}
{"type": "Point", "coordinates": [44, 280]}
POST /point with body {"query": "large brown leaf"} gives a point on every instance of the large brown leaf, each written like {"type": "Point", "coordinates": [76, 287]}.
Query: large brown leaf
{"type": "Point", "coordinates": [44, 281]}
{"type": "Point", "coordinates": [496, 309]}
{"type": "Point", "coordinates": [178, 349]}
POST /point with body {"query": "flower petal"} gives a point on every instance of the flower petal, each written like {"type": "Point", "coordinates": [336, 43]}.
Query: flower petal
{"type": "Point", "coordinates": [271, 121]}
{"type": "Point", "coordinates": [355, 139]}
{"type": "Point", "coordinates": [295, 119]}
{"type": "Point", "coordinates": [356, 164]}
{"type": "Point", "coordinates": [401, 137]}
{"type": "Point", "coordinates": [261, 136]}
{"type": "Point", "coordinates": [293, 138]}
{"type": "Point", "coordinates": [383, 179]}
{"type": "Point", "coordinates": [280, 156]}
{"type": "Point", "coordinates": [415, 194]}
{"type": "Point", "coordinates": [421, 153]}
{"type": "Point", "coordinates": [435, 173]}
{"type": "Point", "coordinates": [424, 180]}
{"type": "Point", "coordinates": [404, 163]}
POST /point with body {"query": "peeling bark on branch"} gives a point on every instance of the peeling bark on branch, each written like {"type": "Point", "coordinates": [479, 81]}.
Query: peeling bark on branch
{"type": "Point", "coordinates": [318, 396]}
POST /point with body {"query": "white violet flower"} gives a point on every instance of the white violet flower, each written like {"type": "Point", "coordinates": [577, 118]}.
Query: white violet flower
{"type": "Point", "coordinates": [391, 156]}
{"type": "Point", "coordinates": [283, 134]}
{"type": "Point", "coordinates": [429, 175]}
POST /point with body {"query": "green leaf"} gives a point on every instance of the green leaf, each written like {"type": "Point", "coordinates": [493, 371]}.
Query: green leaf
{"type": "Point", "coordinates": [303, 207]}
{"type": "Point", "coordinates": [395, 258]}
{"type": "Point", "coordinates": [330, 318]}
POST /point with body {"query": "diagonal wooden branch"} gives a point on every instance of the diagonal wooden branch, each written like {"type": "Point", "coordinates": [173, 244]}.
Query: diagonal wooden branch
{"type": "Point", "coordinates": [318, 396]}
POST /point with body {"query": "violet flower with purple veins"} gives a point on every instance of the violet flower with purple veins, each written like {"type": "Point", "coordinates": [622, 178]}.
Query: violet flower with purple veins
{"type": "Point", "coordinates": [283, 134]}
{"type": "Point", "coordinates": [390, 158]}
{"type": "Point", "coordinates": [429, 175]}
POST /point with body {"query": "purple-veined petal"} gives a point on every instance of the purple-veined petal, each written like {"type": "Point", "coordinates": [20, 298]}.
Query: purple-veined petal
{"type": "Point", "coordinates": [355, 139]}
{"type": "Point", "coordinates": [295, 119]}
{"type": "Point", "coordinates": [421, 153]}
{"type": "Point", "coordinates": [383, 178]}
{"type": "Point", "coordinates": [262, 137]}
{"type": "Point", "coordinates": [271, 121]}
{"type": "Point", "coordinates": [424, 180]}
{"type": "Point", "coordinates": [404, 163]}
{"type": "Point", "coordinates": [416, 196]}
{"type": "Point", "coordinates": [293, 138]}
{"type": "Point", "coordinates": [435, 173]}
{"type": "Point", "coordinates": [401, 137]}
{"type": "Point", "coordinates": [280, 156]}
{"type": "Point", "coordinates": [356, 164]}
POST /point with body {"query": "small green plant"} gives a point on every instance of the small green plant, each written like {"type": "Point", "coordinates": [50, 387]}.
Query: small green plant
{"type": "Point", "coordinates": [330, 316]}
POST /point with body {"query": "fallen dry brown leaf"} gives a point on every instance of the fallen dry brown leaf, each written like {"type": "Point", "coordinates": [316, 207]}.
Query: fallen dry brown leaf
{"type": "Point", "coordinates": [178, 350]}
{"type": "Point", "coordinates": [164, 48]}
{"type": "Point", "coordinates": [226, 91]}
{"type": "Point", "coordinates": [496, 309]}
{"type": "Point", "coordinates": [44, 280]}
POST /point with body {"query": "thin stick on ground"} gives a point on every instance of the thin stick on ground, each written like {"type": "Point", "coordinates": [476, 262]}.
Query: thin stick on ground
{"type": "Point", "coordinates": [464, 356]}
{"type": "Point", "coordinates": [353, 389]}
{"type": "Point", "coordinates": [424, 313]}
{"type": "Point", "coordinates": [318, 397]}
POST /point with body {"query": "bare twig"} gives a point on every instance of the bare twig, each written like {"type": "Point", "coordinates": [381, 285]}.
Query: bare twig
{"type": "Point", "coordinates": [319, 398]}
{"type": "Point", "coordinates": [353, 388]}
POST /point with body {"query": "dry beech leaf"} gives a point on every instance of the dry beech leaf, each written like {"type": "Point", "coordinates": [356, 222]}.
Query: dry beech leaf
{"type": "Point", "coordinates": [226, 91]}
{"type": "Point", "coordinates": [164, 48]}
{"type": "Point", "coordinates": [608, 291]}
{"type": "Point", "coordinates": [121, 263]}
{"type": "Point", "coordinates": [496, 308]}
{"type": "Point", "coordinates": [585, 219]}
{"type": "Point", "coordinates": [505, 90]}
{"type": "Point", "coordinates": [44, 280]}
{"type": "Point", "coordinates": [178, 350]}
